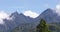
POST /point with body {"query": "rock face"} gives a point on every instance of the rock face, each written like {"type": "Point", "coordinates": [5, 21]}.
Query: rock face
{"type": "Point", "coordinates": [17, 19]}
{"type": "Point", "coordinates": [50, 16]}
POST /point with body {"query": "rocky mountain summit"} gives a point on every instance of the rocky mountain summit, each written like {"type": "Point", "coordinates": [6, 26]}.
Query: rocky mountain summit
{"type": "Point", "coordinates": [18, 19]}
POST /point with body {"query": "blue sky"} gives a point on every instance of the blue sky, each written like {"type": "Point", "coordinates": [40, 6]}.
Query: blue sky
{"type": "Point", "coordinates": [38, 6]}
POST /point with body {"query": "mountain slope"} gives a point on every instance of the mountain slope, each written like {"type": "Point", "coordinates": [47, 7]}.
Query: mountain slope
{"type": "Point", "coordinates": [18, 19]}
{"type": "Point", "coordinates": [50, 16]}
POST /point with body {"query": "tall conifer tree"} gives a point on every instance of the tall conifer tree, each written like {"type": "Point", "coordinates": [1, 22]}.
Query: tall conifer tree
{"type": "Point", "coordinates": [42, 27]}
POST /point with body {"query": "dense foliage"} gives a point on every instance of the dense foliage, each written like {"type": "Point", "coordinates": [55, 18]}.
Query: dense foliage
{"type": "Point", "coordinates": [42, 27]}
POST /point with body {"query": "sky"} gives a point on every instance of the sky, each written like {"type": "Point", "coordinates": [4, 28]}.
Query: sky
{"type": "Point", "coordinates": [37, 6]}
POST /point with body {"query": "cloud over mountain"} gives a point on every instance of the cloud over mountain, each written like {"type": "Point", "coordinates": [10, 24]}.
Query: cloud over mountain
{"type": "Point", "coordinates": [58, 9]}
{"type": "Point", "coordinates": [3, 15]}
{"type": "Point", "coordinates": [31, 14]}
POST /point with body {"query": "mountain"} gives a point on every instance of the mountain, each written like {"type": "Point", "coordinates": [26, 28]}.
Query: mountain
{"type": "Point", "coordinates": [50, 16]}
{"type": "Point", "coordinates": [19, 20]}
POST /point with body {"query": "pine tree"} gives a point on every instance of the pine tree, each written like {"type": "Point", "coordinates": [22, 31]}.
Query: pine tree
{"type": "Point", "coordinates": [42, 27]}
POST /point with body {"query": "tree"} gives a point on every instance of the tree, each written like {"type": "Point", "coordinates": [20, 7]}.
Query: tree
{"type": "Point", "coordinates": [42, 27]}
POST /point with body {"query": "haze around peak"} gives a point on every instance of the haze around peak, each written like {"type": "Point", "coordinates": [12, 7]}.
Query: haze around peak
{"type": "Point", "coordinates": [4, 15]}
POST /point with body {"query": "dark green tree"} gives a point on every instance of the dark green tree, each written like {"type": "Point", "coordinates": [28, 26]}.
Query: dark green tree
{"type": "Point", "coordinates": [42, 27]}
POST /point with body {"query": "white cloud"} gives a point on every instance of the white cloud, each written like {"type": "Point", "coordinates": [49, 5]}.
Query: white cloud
{"type": "Point", "coordinates": [31, 14]}
{"type": "Point", "coordinates": [3, 15]}
{"type": "Point", "coordinates": [58, 9]}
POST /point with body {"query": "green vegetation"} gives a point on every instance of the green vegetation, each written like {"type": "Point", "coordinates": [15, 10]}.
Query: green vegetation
{"type": "Point", "coordinates": [42, 27]}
